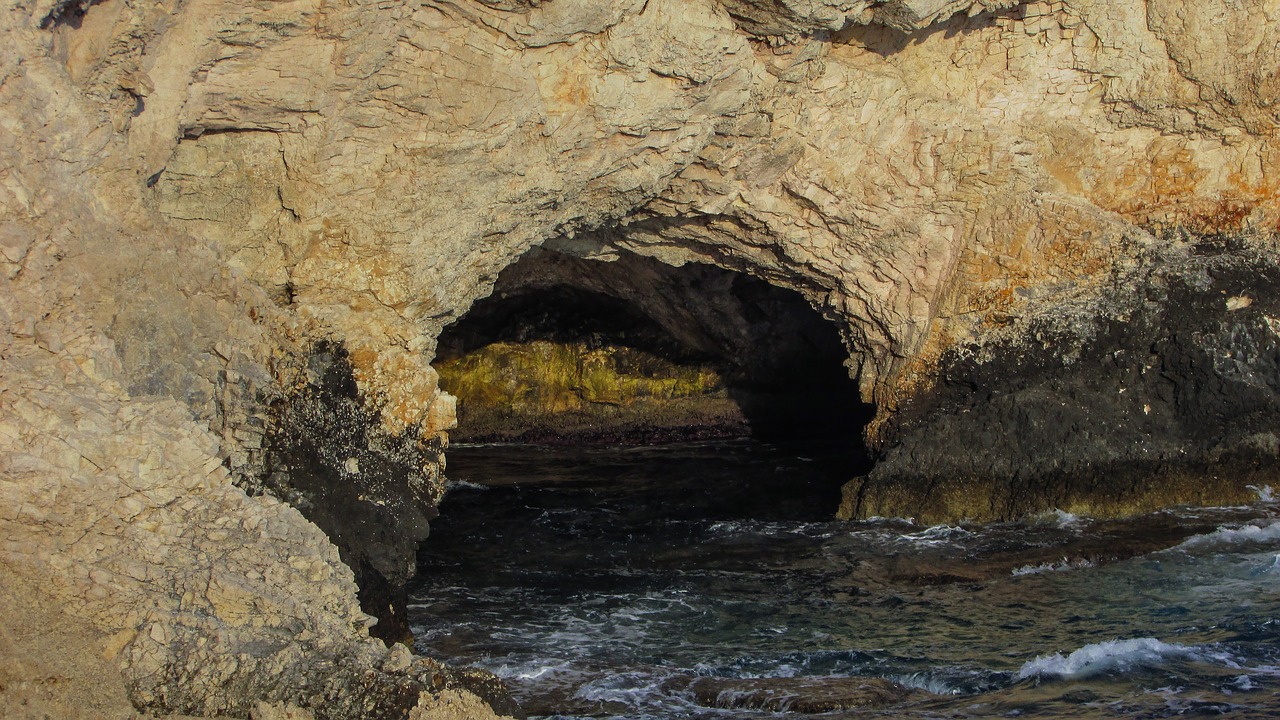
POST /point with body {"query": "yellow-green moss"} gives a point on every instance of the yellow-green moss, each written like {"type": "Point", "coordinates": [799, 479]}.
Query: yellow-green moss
{"type": "Point", "coordinates": [545, 378]}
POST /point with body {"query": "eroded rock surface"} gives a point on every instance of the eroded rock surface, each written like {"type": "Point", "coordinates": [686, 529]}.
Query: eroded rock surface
{"type": "Point", "coordinates": [1160, 392]}
{"type": "Point", "coordinates": [195, 195]}
{"type": "Point", "coordinates": [372, 492]}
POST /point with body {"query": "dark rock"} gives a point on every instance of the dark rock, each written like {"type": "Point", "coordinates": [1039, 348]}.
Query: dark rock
{"type": "Point", "coordinates": [371, 492]}
{"type": "Point", "coordinates": [344, 692]}
{"type": "Point", "coordinates": [1164, 389]}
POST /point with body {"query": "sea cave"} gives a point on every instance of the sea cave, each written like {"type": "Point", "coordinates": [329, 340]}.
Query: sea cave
{"type": "Point", "coordinates": [639, 359]}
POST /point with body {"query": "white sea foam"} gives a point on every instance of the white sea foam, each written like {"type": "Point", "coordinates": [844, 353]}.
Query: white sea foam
{"type": "Point", "coordinates": [773, 529]}
{"type": "Point", "coordinates": [927, 682]}
{"type": "Point", "coordinates": [881, 520]}
{"type": "Point", "coordinates": [1265, 493]}
{"type": "Point", "coordinates": [1233, 536]}
{"type": "Point", "coordinates": [538, 668]}
{"type": "Point", "coordinates": [936, 535]}
{"type": "Point", "coordinates": [1245, 683]}
{"type": "Point", "coordinates": [633, 689]}
{"type": "Point", "coordinates": [1065, 518]}
{"type": "Point", "coordinates": [1113, 655]}
{"type": "Point", "coordinates": [728, 527]}
{"type": "Point", "coordinates": [464, 485]}
{"type": "Point", "coordinates": [1061, 566]}
{"type": "Point", "coordinates": [1057, 518]}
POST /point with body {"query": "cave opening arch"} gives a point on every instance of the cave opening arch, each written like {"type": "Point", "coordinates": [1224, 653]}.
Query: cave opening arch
{"type": "Point", "coordinates": [558, 537]}
{"type": "Point", "coordinates": [633, 350]}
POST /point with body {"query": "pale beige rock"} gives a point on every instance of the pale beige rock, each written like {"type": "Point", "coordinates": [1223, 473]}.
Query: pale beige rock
{"type": "Point", "coordinates": [915, 183]}
{"type": "Point", "coordinates": [452, 705]}
{"type": "Point", "coordinates": [193, 192]}
{"type": "Point", "coordinates": [51, 665]}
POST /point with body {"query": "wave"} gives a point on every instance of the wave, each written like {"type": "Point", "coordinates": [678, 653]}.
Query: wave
{"type": "Point", "coordinates": [1059, 518]}
{"type": "Point", "coordinates": [531, 669]}
{"type": "Point", "coordinates": [952, 680]}
{"type": "Point", "coordinates": [834, 663]}
{"type": "Point", "coordinates": [1265, 493]}
{"type": "Point", "coordinates": [1110, 656]}
{"type": "Point", "coordinates": [816, 530]}
{"type": "Point", "coordinates": [636, 690]}
{"type": "Point", "coordinates": [936, 535]}
{"type": "Point", "coordinates": [1227, 535]}
{"type": "Point", "coordinates": [926, 682]}
{"type": "Point", "coordinates": [1061, 566]}
{"type": "Point", "coordinates": [1274, 567]}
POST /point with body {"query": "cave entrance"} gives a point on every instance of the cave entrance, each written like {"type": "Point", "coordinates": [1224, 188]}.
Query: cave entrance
{"type": "Point", "coordinates": [633, 351]}
{"type": "Point", "coordinates": [605, 547]}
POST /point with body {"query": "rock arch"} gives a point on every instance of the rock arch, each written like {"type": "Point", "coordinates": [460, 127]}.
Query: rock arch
{"type": "Point", "coordinates": [733, 347]}
{"type": "Point", "coordinates": [1022, 207]}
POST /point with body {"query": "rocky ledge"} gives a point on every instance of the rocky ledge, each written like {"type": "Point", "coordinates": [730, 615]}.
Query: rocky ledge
{"type": "Point", "coordinates": [1160, 389]}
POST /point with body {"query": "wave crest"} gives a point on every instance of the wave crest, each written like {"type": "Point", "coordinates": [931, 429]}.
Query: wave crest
{"type": "Point", "coordinates": [1099, 658]}
{"type": "Point", "coordinates": [1234, 536]}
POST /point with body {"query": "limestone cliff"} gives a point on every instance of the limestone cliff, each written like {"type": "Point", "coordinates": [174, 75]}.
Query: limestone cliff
{"type": "Point", "coordinates": [231, 230]}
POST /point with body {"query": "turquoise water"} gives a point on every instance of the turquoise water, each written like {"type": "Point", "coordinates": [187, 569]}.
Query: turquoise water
{"type": "Point", "coordinates": [604, 582]}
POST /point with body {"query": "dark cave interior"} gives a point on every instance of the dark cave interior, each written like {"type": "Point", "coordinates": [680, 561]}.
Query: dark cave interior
{"type": "Point", "coordinates": [761, 351]}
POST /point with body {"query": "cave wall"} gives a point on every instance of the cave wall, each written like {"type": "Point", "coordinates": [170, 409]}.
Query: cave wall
{"type": "Point", "coordinates": [759, 331]}
{"type": "Point", "coordinates": [194, 193]}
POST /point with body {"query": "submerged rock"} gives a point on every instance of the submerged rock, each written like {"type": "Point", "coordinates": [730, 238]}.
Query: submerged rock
{"type": "Point", "coordinates": [797, 695]}
{"type": "Point", "coordinates": [807, 695]}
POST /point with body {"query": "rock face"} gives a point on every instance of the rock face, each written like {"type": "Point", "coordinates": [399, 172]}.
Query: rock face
{"type": "Point", "coordinates": [212, 600]}
{"type": "Point", "coordinates": [372, 492]}
{"type": "Point", "coordinates": [1162, 391]}
{"type": "Point", "coordinates": [231, 234]}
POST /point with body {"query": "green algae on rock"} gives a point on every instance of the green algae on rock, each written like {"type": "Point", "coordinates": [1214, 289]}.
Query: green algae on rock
{"type": "Point", "coordinates": [572, 390]}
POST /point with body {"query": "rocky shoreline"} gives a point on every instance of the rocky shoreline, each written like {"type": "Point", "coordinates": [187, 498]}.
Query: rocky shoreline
{"type": "Point", "coordinates": [232, 237]}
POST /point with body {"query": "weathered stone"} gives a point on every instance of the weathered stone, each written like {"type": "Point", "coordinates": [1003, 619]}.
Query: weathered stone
{"type": "Point", "coordinates": [1157, 393]}
{"type": "Point", "coordinates": [194, 195]}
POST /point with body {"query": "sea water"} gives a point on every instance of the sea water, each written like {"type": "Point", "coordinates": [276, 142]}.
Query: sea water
{"type": "Point", "coordinates": [600, 582]}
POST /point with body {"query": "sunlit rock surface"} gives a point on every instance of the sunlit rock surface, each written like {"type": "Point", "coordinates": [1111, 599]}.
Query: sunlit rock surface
{"type": "Point", "coordinates": [196, 195]}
